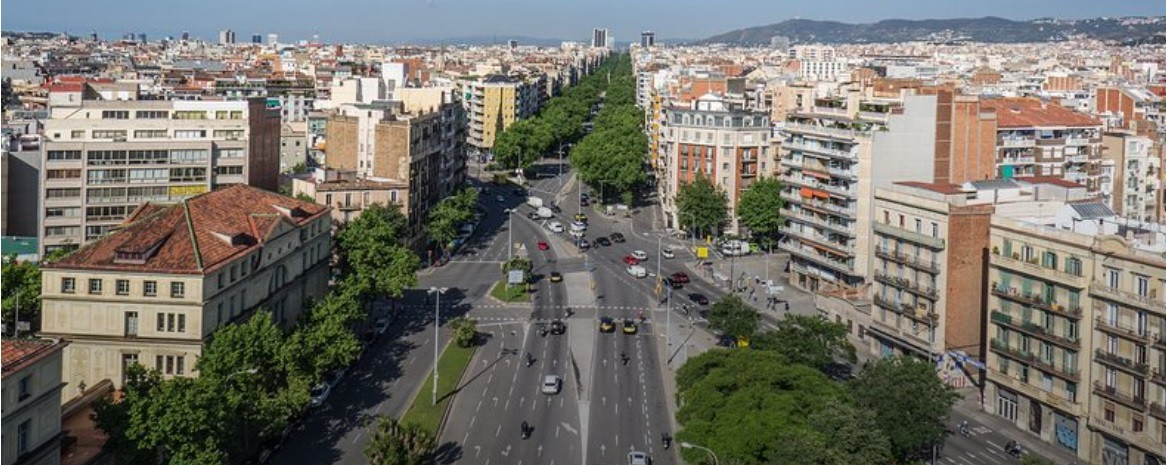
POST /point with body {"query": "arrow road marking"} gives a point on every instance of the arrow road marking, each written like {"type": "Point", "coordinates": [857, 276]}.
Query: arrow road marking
{"type": "Point", "coordinates": [602, 450]}
{"type": "Point", "coordinates": [540, 450]}
{"type": "Point", "coordinates": [506, 452]}
{"type": "Point", "coordinates": [568, 427]}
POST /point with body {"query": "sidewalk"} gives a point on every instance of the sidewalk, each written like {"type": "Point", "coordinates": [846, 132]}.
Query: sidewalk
{"type": "Point", "coordinates": [970, 406]}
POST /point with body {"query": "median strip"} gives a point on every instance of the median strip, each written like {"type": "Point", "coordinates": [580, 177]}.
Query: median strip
{"type": "Point", "coordinates": [450, 366]}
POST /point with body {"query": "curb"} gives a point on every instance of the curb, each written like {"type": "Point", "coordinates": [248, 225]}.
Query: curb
{"type": "Point", "coordinates": [460, 378]}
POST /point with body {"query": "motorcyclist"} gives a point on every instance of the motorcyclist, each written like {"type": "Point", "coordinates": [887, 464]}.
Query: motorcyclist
{"type": "Point", "coordinates": [624, 357]}
{"type": "Point", "coordinates": [529, 359]}
{"type": "Point", "coordinates": [525, 430]}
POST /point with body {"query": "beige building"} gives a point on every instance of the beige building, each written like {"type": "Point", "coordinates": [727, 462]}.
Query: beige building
{"type": "Point", "coordinates": [1136, 175]}
{"type": "Point", "coordinates": [157, 288]}
{"type": "Point", "coordinates": [1076, 313]}
{"type": "Point", "coordinates": [103, 158]}
{"type": "Point", "coordinates": [32, 406]}
{"type": "Point", "coordinates": [349, 195]}
{"type": "Point", "coordinates": [494, 103]}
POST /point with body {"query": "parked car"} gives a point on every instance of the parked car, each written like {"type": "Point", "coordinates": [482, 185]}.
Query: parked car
{"type": "Point", "coordinates": [700, 299]}
{"type": "Point", "coordinates": [668, 253]}
{"type": "Point", "coordinates": [637, 271]}
{"type": "Point", "coordinates": [630, 260]}
{"type": "Point", "coordinates": [680, 277]}
{"type": "Point", "coordinates": [602, 241]}
{"type": "Point", "coordinates": [555, 226]}
{"type": "Point", "coordinates": [584, 245]}
{"type": "Point", "coordinates": [617, 237]}
{"type": "Point", "coordinates": [640, 255]}
{"type": "Point", "coordinates": [542, 245]}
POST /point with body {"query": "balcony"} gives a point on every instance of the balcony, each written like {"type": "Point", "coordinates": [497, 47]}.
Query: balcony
{"type": "Point", "coordinates": [824, 207]}
{"type": "Point", "coordinates": [1132, 299]}
{"type": "Point", "coordinates": [908, 311]}
{"type": "Point", "coordinates": [1158, 376]}
{"type": "Point", "coordinates": [1065, 373]}
{"type": "Point", "coordinates": [1077, 159]}
{"type": "Point", "coordinates": [1158, 411]}
{"type": "Point", "coordinates": [1077, 140]}
{"type": "Point", "coordinates": [1017, 160]}
{"type": "Point", "coordinates": [911, 236]}
{"type": "Point", "coordinates": [818, 149]}
{"type": "Point", "coordinates": [1116, 329]}
{"type": "Point", "coordinates": [1111, 393]}
{"type": "Point", "coordinates": [838, 133]}
{"type": "Point", "coordinates": [886, 253]}
{"type": "Point", "coordinates": [814, 220]}
{"type": "Point", "coordinates": [1014, 142]}
{"type": "Point", "coordinates": [812, 255]}
{"type": "Point", "coordinates": [1035, 300]}
{"type": "Point", "coordinates": [1033, 268]}
{"type": "Point", "coordinates": [1050, 141]}
{"type": "Point", "coordinates": [825, 241]}
{"type": "Point", "coordinates": [1035, 330]}
{"type": "Point", "coordinates": [906, 284]}
{"type": "Point", "coordinates": [1121, 363]}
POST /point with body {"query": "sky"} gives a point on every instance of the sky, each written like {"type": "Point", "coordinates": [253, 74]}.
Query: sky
{"type": "Point", "coordinates": [396, 21]}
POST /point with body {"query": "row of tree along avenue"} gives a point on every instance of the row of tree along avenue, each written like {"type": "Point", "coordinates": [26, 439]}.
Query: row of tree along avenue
{"type": "Point", "coordinates": [773, 403]}
{"type": "Point", "coordinates": [254, 377]}
{"type": "Point", "coordinates": [612, 156]}
{"type": "Point", "coordinates": [703, 209]}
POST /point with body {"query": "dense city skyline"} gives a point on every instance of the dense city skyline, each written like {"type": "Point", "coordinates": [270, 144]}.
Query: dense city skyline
{"type": "Point", "coordinates": [396, 22]}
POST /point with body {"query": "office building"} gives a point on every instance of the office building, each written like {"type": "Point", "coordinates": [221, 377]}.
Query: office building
{"type": "Point", "coordinates": [256, 39]}
{"type": "Point", "coordinates": [494, 103]}
{"type": "Point", "coordinates": [154, 291]}
{"type": "Point", "coordinates": [226, 36]}
{"type": "Point", "coordinates": [647, 39]}
{"type": "Point", "coordinates": [105, 157]}
{"type": "Point", "coordinates": [185, 36]}
{"type": "Point", "coordinates": [599, 38]}
{"type": "Point", "coordinates": [779, 43]}
{"type": "Point", "coordinates": [32, 401]}
{"type": "Point", "coordinates": [273, 39]}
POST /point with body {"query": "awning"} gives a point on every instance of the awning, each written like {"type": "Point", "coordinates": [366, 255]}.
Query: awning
{"type": "Point", "coordinates": [816, 174]}
{"type": "Point", "coordinates": [807, 192]}
{"type": "Point", "coordinates": [821, 194]}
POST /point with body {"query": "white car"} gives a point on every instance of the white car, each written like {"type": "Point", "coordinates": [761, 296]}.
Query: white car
{"type": "Point", "coordinates": [640, 255]}
{"type": "Point", "coordinates": [319, 394]}
{"type": "Point", "coordinates": [637, 271]}
{"type": "Point", "coordinates": [639, 458]}
{"type": "Point", "coordinates": [555, 226]}
{"type": "Point", "coordinates": [668, 253]}
{"type": "Point", "coordinates": [552, 384]}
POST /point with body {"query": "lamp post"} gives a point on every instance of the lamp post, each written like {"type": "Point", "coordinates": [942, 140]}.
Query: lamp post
{"type": "Point", "coordinates": [249, 371]}
{"type": "Point", "coordinates": [509, 235]}
{"type": "Point", "coordinates": [689, 445]}
{"type": "Point", "coordinates": [436, 335]}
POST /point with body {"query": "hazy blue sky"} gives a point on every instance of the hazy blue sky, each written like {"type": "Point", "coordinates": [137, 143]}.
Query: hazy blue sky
{"type": "Point", "coordinates": [402, 20]}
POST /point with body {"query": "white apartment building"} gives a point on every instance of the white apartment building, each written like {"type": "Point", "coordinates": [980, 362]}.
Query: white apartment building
{"type": "Point", "coordinates": [32, 401]}
{"type": "Point", "coordinates": [1137, 179]}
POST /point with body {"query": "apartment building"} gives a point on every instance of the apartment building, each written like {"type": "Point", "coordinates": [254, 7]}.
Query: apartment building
{"type": "Point", "coordinates": [383, 142]}
{"type": "Point", "coordinates": [716, 139]}
{"type": "Point", "coordinates": [32, 405]}
{"type": "Point", "coordinates": [155, 290]}
{"type": "Point", "coordinates": [349, 195]}
{"type": "Point", "coordinates": [1136, 175]}
{"type": "Point", "coordinates": [494, 103]}
{"type": "Point", "coordinates": [1076, 314]}
{"type": "Point", "coordinates": [104, 158]}
{"type": "Point", "coordinates": [1038, 138]}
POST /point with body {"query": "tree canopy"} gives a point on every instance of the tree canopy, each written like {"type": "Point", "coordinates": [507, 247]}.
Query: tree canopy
{"type": "Point", "coordinates": [372, 254]}
{"type": "Point", "coordinates": [759, 209]}
{"type": "Point", "coordinates": [20, 287]}
{"type": "Point", "coordinates": [909, 402]}
{"type": "Point", "coordinates": [449, 215]}
{"type": "Point", "coordinates": [733, 317]}
{"type": "Point", "coordinates": [807, 340]}
{"type": "Point", "coordinates": [702, 206]}
{"type": "Point", "coordinates": [393, 443]}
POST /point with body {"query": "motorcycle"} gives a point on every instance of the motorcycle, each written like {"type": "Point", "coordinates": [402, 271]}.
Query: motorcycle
{"type": "Point", "coordinates": [525, 430]}
{"type": "Point", "coordinates": [1014, 450]}
{"type": "Point", "coordinates": [964, 431]}
{"type": "Point", "coordinates": [529, 359]}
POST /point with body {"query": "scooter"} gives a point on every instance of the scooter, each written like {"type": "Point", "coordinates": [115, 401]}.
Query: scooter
{"type": "Point", "coordinates": [529, 359]}
{"type": "Point", "coordinates": [525, 430]}
{"type": "Point", "coordinates": [964, 430]}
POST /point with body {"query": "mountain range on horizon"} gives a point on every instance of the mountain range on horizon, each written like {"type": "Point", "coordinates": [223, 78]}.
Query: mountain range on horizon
{"type": "Point", "coordinates": [988, 29]}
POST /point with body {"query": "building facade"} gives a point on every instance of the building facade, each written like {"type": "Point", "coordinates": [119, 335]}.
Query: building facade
{"type": "Point", "coordinates": [104, 158]}
{"type": "Point", "coordinates": [32, 406]}
{"type": "Point", "coordinates": [156, 289]}
{"type": "Point", "coordinates": [1137, 175]}
{"type": "Point", "coordinates": [493, 104]}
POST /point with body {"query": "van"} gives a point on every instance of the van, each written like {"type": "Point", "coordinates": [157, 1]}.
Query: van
{"type": "Point", "coordinates": [637, 271]}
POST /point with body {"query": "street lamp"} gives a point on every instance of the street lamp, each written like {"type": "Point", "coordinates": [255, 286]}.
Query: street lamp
{"type": "Point", "coordinates": [509, 235]}
{"type": "Point", "coordinates": [436, 336]}
{"type": "Point", "coordinates": [249, 371]}
{"type": "Point", "coordinates": [689, 445]}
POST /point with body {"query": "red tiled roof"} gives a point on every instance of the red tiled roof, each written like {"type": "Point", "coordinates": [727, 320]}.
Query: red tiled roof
{"type": "Point", "coordinates": [162, 234]}
{"type": "Point", "coordinates": [942, 188]}
{"type": "Point", "coordinates": [1031, 112]}
{"type": "Point", "coordinates": [21, 353]}
{"type": "Point", "coordinates": [67, 87]}
{"type": "Point", "coordinates": [1053, 180]}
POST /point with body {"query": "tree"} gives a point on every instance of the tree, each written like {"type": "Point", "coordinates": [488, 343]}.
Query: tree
{"type": "Point", "coordinates": [908, 400]}
{"type": "Point", "coordinates": [753, 407]}
{"type": "Point", "coordinates": [733, 317]}
{"type": "Point", "coordinates": [185, 420]}
{"type": "Point", "coordinates": [372, 255]}
{"type": "Point", "coordinates": [324, 339]}
{"type": "Point", "coordinates": [303, 197]}
{"type": "Point", "coordinates": [395, 444]}
{"type": "Point", "coordinates": [465, 331]}
{"type": "Point", "coordinates": [807, 340]}
{"type": "Point", "coordinates": [451, 214]}
{"type": "Point", "coordinates": [760, 209]}
{"type": "Point", "coordinates": [113, 417]}
{"type": "Point", "coordinates": [20, 284]}
{"type": "Point", "coordinates": [702, 206]}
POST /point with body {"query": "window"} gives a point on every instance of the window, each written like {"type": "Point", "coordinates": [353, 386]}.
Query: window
{"type": "Point", "coordinates": [190, 156]}
{"type": "Point", "coordinates": [1071, 391]}
{"type": "Point", "coordinates": [109, 134]}
{"type": "Point", "coordinates": [63, 174]}
{"type": "Point", "coordinates": [1049, 260]}
{"type": "Point", "coordinates": [229, 169]}
{"type": "Point", "coordinates": [1138, 423]}
{"type": "Point", "coordinates": [23, 437]}
{"type": "Point", "coordinates": [231, 134]}
{"type": "Point", "coordinates": [123, 287]}
{"type": "Point", "coordinates": [57, 155]}
{"type": "Point", "coordinates": [161, 322]}
{"type": "Point", "coordinates": [77, 134]}
{"type": "Point", "coordinates": [115, 114]}
{"type": "Point", "coordinates": [177, 289]}
{"type": "Point", "coordinates": [189, 114]}
{"type": "Point", "coordinates": [63, 193]}
{"type": "Point", "coordinates": [189, 134]}
{"type": "Point", "coordinates": [68, 285]}
{"type": "Point", "coordinates": [934, 229]}
{"type": "Point", "coordinates": [24, 388]}
{"type": "Point", "coordinates": [1109, 415]}
{"type": "Point", "coordinates": [229, 153]}
{"type": "Point", "coordinates": [180, 364]}
{"type": "Point", "coordinates": [1142, 286]}
{"type": "Point", "coordinates": [1113, 278]}
{"type": "Point", "coordinates": [181, 323]}
{"type": "Point", "coordinates": [151, 114]}
{"type": "Point", "coordinates": [222, 280]}
{"type": "Point", "coordinates": [150, 288]}
{"type": "Point", "coordinates": [95, 286]}
{"type": "Point", "coordinates": [150, 134]}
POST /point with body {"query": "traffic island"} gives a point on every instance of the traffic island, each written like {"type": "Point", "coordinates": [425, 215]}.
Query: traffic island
{"type": "Point", "coordinates": [450, 366]}
{"type": "Point", "coordinates": [510, 294]}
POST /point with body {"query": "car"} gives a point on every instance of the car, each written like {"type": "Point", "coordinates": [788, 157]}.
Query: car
{"type": "Point", "coordinates": [381, 325]}
{"type": "Point", "coordinates": [578, 226]}
{"type": "Point", "coordinates": [556, 209]}
{"type": "Point", "coordinates": [638, 458]}
{"type": "Point", "coordinates": [542, 245]}
{"type": "Point", "coordinates": [602, 241]}
{"type": "Point", "coordinates": [319, 394]}
{"type": "Point", "coordinates": [606, 325]}
{"type": "Point", "coordinates": [552, 384]}
{"type": "Point", "coordinates": [555, 226]}
{"type": "Point", "coordinates": [581, 217]}
{"type": "Point", "coordinates": [499, 198]}
{"type": "Point", "coordinates": [617, 237]}
{"type": "Point", "coordinates": [558, 327]}
{"type": "Point", "coordinates": [583, 244]}
{"type": "Point", "coordinates": [680, 277]}
{"type": "Point", "coordinates": [584, 202]}
{"type": "Point", "coordinates": [640, 255]}
{"type": "Point", "coordinates": [637, 271]}
{"type": "Point", "coordinates": [533, 216]}
{"type": "Point", "coordinates": [667, 252]}
{"type": "Point", "coordinates": [576, 234]}
{"type": "Point", "coordinates": [556, 277]}
{"type": "Point", "coordinates": [629, 327]}
{"type": "Point", "coordinates": [698, 298]}
{"type": "Point", "coordinates": [630, 260]}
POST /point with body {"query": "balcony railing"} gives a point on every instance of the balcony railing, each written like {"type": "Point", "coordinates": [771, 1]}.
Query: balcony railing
{"type": "Point", "coordinates": [816, 129]}
{"type": "Point", "coordinates": [1035, 269]}
{"type": "Point", "coordinates": [925, 240]}
{"type": "Point", "coordinates": [1129, 298]}
{"type": "Point", "coordinates": [844, 154]}
{"type": "Point", "coordinates": [908, 311]}
{"type": "Point", "coordinates": [1158, 411]}
{"type": "Point", "coordinates": [1111, 393]}
{"type": "Point", "coordinates": [1121, 363]}
{"type": "Point", "coordinates": [814, 220]}
{"type": "Point", "coordinates": [1017, 142]}
{"type": "Point", "coordinates": [1105, 325]}
{"type": "Point", "coordinates": [824, 241]}
{"type": "Point", "coordinates": [1017, 160]}
{"type": "Point", "coordinates": [824, 206]}
{"type": "Point", "coordinates": [1076, 140]}
{"type": "Point", "coordinates": [810, 254]}
{"type": "Point", "coordinates": [887, 253]}
{"type": "Point", "coordinates": [1036, 300]}
{"type": "Point", "coordinates": [1035, 330]}
{"type": "Point", "coordinates": [906, 284]}
{"type": "Point", "coordinates": [1063, 372]}
{"type": "Point", "coordinates": [1158, 376]}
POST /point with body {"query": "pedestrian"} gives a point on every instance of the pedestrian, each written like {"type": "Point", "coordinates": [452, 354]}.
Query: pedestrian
{"type": "Point", "coordinates": [787, 306]}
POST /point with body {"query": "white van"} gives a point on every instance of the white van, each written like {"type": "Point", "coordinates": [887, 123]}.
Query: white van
{"type": "Point", "coordinates": [735, 248]}
{"type": "Point", "coordinates": [637, 271]}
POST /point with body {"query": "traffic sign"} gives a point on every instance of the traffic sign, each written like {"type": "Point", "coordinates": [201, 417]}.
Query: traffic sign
{"type": "Point", "coordinates": [702, 252]}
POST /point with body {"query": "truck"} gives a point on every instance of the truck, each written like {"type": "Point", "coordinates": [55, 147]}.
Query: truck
{"type": "Point", "coordinates": [545, 212]}
{"type": "Point", "coordinates": [534, 201]}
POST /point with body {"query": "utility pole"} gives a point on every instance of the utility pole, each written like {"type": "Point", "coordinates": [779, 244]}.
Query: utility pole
{"type": "Point", "coordinates": [436, 334]}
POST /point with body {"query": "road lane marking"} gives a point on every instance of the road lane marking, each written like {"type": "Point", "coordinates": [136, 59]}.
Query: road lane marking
{"type": "Point", "coordinates": [567, 426]}
{"type": "Point", "coordinates": [467, 435]}
{"type": "Point", "coordinates": [479, 407]}
{"type": "Point", "coordinates": [472, 420]}
{"type": "Point", "coordinates": [356, 437]}
{"type": "Point", "coordinates": [498, 431]}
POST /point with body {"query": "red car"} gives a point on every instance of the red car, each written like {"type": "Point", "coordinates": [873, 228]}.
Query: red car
{"type": "Point", "coordinates": [543, 246]}
{"type": "Point", "coordinates": [679, 277]}
{"type": "Point", "coordinates": [630, 260]}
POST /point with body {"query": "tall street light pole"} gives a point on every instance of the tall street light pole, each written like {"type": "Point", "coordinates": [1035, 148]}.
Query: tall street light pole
{"type": "Point", "coordinates": [689, 445]}
{"type": "Point", "coordinates": [436, 335]}
{"type": "Point", "coordinates": [509, 235]}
